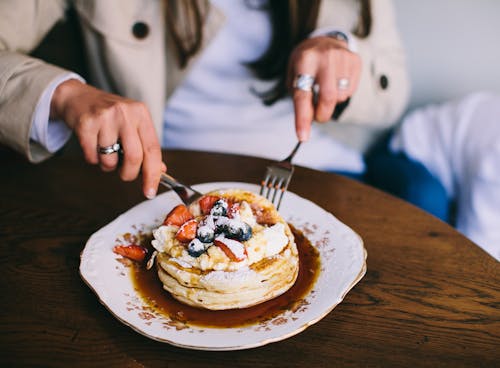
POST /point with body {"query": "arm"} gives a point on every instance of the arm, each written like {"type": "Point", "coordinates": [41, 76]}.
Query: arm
{"type": "Point", "coordinates": [49, 133]}
{"type": "Point", "coordinates": [98, 118]}
{"type": "Point", "coordinates": [23, 79]}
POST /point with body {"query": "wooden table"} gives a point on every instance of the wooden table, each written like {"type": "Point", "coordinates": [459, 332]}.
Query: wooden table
{"type": "Point", "coordinates": [430, 296]}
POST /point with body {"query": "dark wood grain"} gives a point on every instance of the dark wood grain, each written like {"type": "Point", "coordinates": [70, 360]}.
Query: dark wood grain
{"type": "Point", "coordinates": [430, 297]}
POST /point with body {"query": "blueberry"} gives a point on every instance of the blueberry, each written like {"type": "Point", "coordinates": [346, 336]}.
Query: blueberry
{"type": "Point", "coordinates": [246, 232]}
{"type": "Point", "coordinates": [205, 234]}
{"type": "Point", "coordinates": [219, 208]}
{"type": "Point", "coordinates": [196, 248]}
{"type": "Point", "coordinates": [238, 230]}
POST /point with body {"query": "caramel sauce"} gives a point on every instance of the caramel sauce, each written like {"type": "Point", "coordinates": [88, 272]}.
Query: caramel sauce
{"type": "Point", "coordinates": [150, 288]}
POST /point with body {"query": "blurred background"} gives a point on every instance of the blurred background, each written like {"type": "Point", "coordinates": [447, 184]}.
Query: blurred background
{"type": "Point", "coordinates": [453, 47]}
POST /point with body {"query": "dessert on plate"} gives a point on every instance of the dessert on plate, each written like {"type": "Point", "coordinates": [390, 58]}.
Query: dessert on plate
{"type": "Point", "coordinates": [229, 249]}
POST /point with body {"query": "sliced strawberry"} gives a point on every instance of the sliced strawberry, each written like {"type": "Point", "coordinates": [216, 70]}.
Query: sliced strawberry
{"type": "Point", "coordinates": [207, 202]}
{"type": "Point", "coordinates": [133, 252]}
{"type": "Point", "coordinates": [232, 248]}
{"type": "Point", "coordinates": [179, 215]}
{"type": "Point", "coordinates": [187, 231]}
{"type": "Point", "coordinates": [233, 208]}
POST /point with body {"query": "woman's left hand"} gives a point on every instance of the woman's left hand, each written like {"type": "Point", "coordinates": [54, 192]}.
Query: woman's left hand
{"type": "Point", "coordinates": [335, 69]}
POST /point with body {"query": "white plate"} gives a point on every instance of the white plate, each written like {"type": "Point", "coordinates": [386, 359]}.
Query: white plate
{"type": "Point", "coordinates": [343, 264]}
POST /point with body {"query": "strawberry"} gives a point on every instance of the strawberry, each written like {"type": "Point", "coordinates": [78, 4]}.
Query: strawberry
{"type": "Point", "coordinates": [232, 248]}
{"type": "Point", "coordinates": [133, 252]}
{"type": "Point", "coordinates": [207, 202]}
{"type": "Point", "coordinates": [179, 215]}
{"type": "Point", "coordinates": [187, 231]}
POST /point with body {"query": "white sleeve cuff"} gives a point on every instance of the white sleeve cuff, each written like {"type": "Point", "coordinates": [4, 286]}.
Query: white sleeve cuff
{"type": "Point", "coordinates": [351, 40]}
{"type": "Point", "coordinates": [50, 134]}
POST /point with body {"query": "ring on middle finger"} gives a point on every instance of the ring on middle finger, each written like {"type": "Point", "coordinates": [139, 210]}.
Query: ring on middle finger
{"type": "Point", "coordinates": [107, 150]}
{"type": "Point", "coordinates": [343, 83]}
{"type": "Point", "coordinates": [304, 82]}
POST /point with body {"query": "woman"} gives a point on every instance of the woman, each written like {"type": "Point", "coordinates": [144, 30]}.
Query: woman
{"type": "Point", "coordinates": [170, 77]}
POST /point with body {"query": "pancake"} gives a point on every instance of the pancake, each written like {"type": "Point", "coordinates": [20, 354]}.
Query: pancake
{"type": "Point", "coordinates": [230, 249]}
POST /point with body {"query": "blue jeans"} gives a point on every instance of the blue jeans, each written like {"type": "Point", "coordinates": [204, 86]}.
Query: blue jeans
{"type": "Point", "coordinates": [407, 179]}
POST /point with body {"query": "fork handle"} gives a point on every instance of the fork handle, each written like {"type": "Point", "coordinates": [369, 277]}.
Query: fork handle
{"type": "Point", "coordinates": [290, 157]}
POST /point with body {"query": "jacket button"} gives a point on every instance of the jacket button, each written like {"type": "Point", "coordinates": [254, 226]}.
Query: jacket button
{"type": "Point", "coordinates": [140, 30]}
{"type": "Point", "coordinates": [384, 82]}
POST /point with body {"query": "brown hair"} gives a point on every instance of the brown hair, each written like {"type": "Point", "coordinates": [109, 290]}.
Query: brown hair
{"type": "Point", "coordinates": [292, 21]}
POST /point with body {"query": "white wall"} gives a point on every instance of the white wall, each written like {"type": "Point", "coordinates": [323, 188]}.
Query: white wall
{"type": "Point", "coordinates": [453, 47]}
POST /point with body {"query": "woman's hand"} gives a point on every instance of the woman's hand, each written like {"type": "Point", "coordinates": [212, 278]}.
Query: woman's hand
{"type": "Point", "coordinates": [336, 71]}
{"type": "Point", "coordinates": [101, 119]}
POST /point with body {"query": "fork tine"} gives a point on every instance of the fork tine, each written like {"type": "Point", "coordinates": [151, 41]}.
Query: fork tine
{"type": "Point", "coordinates": [277, 186]}
{"type": "Point", "coordinates": [263, 183]}
{"type": "Point", "coordinates": [270, 186]}
{"type": "Point", "coordinates": [283, 190]}
{"type": "Point", "coordinates": [277, 178]}
{"type": "Point", "coordinates": [285, 185]}
{"type": "Point", "coordinates": [281, 197]}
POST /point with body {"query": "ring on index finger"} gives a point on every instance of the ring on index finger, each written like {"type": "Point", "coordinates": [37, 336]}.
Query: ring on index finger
{"type": "Point", "coordinates": [108, 150]}
{"type": "Point", "coordinates": [304, 82]}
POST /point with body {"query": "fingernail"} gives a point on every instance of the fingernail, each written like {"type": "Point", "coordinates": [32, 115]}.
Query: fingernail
{"type": "Point", "coordinates": [303, 135]}
{"type": "Point", "coordinates": [151, 193]}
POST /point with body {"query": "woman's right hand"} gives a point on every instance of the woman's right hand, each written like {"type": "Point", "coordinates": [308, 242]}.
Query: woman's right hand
{"type": "Point", "coordinates": [101, 119]}
{"type": "Point", "coordinates": [328, 60]}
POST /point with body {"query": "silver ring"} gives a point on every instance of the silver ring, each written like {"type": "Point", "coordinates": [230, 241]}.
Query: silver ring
{"type": "Point", "coordinates": [304, 82]}
{"type": "Point", "coordinates": [343, 83]}
{"type": "Point", "coordinates": [108, 150]}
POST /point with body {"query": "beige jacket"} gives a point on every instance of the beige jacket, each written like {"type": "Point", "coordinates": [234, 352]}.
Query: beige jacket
{"type": "Point", "coordinates": [146, 69]}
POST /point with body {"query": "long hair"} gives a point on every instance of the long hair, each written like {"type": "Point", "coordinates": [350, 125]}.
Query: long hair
{"type": "Point", "coordinates": [292, 21]}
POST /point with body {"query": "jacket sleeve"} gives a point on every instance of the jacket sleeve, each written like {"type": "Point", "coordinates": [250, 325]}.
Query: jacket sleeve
{"type": "Point", "coordinates": [22, 78]}
{"type": "Point", "coordinates": [383, 89]}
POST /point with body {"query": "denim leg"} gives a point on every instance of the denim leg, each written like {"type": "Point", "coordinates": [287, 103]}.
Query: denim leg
{"type": "Point", "coordinates": [409, 180]}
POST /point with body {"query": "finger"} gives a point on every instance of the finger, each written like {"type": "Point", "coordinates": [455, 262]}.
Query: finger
{"type": "Point", "coordinates": [355, 75]}
{"type": "Point", "coordinates": [328, 92]}
{"type": "Point", "coordinates": [349, 75]}
{"type": "Point", "coordinates": [132, 153]}
{"type": "Point", "coordinates": [152, 164]}
{"type": "Point", "coordinates": [289, 77]}
{"type": "Point", "coordinates": [87, 133]}
{"type": "Point", "coordinates": [344, 86]}
{"type": "Point", "coordinates": [304, 113]}
{"type": "Point", "coordinates": [108, 135]}
{"type": "Point", "coordinates": [306, 64]}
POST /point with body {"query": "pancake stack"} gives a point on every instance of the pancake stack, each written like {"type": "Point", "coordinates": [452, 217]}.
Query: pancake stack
{"type": "Point", "coordinates": [230, 249]}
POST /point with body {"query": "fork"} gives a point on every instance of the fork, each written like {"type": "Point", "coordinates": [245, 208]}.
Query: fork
{"type": "Point", "coordinates": [277, 178]}
{"type": "Point", "coordinates": [187, 194]}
